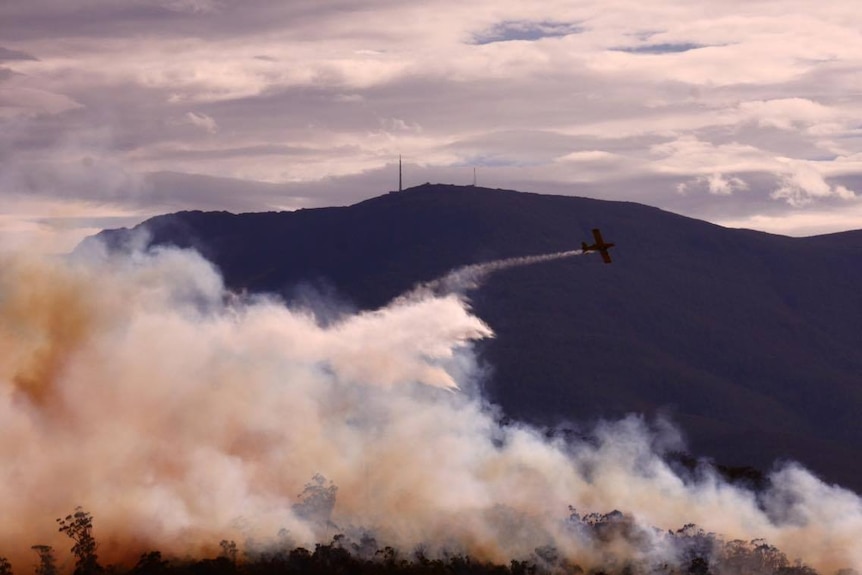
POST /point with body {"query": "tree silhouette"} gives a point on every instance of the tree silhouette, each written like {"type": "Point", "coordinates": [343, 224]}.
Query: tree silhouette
{"type": "Point", "coordinates": [358, 552]}
{"type": "Point", "coordinates": [228, 550]}
{"type": "Point", "coordinates": [317, 500]}
{"type": "Point", "coordinates": [47, 564]}
{"type": "Point", "coordinates": [79, 528]}
{"type": "Point", "coordinates": [150, 563]}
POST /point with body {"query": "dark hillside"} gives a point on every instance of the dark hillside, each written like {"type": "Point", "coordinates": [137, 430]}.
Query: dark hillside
{"type": "Point", "coordinates": [750, 341]}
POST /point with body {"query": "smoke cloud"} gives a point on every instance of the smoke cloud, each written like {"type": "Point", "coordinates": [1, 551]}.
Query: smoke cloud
{"type": "Point", "coordinates": [180, 414]}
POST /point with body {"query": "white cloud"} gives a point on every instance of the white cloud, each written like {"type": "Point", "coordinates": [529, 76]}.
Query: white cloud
{"type": "Point", "coordinates": [589, 156]}
{"type": "Point", "coordinates": [802, 183]}
{"type": "Point", "coordinates": [689, 155]}
{"type": "Point", "coordinates": [202, 121]}
{"type": "Point", "coordinates": [786, 113]}
{"type": "Point", "coordinates": [723, 185]}
{"type": "Point", "coordinates": [800, 223]}
{"type": "Point", "coordinates": [399, 125]}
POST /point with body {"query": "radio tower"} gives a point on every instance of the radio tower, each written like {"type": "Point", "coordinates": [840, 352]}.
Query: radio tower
{"type": "Point", "coordinates": [399, 172]}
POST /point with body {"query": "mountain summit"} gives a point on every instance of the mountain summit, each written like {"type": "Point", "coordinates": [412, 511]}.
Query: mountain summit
{"type": "Point", "coordinates": [749, 341]}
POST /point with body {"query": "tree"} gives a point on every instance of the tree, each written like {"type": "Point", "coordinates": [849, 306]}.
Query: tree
{"type": "Point", "coordinates": [150, 563]}
{"type": "Point", "coordinates": [47, 564]}
{"type": "Point", "coordinates": [79, 528]}
{"type": "Point", "coordinates": [317, 500]}
{"type": "Point", "coordinates": [228, 550]}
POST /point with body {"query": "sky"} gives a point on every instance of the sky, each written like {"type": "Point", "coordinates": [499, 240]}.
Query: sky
{"type": "Point", "coordinates": [740, 112]}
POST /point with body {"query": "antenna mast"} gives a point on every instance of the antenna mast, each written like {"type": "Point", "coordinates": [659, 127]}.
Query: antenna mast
{"type": "Point", "coordinates": [399, 172]}
{"type": "Point", "coordinates": [474, 177]}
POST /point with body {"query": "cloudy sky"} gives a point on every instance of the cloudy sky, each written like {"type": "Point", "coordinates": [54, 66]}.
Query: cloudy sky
{"type": "Point", "coordinates": [746, 113]}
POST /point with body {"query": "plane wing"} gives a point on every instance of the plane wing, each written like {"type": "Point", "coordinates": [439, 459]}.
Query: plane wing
{"type": "Point", "coordinates": [598, 237]}
{"type": "Point", "coordinates": [606, 255]}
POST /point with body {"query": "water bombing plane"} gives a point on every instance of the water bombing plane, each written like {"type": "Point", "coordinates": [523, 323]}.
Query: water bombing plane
{"type": "Point", "coordinates": [600, 246]}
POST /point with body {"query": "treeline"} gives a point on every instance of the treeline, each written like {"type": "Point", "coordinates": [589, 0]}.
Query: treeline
{"type": "Point", "coordinates": [696, 553]}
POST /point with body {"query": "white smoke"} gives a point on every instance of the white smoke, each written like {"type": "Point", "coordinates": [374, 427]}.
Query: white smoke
{"type": "Point", "coordinates": [179, 415]}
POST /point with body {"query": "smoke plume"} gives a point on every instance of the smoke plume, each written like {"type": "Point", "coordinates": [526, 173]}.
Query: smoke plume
{"type": "Point", "coordinates": [180, 414]}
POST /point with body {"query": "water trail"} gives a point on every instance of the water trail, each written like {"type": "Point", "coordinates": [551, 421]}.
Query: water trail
{"type": "Point", "coordinates": [137, 387]}
{"type": "Point", "coordinates": [471, 277]}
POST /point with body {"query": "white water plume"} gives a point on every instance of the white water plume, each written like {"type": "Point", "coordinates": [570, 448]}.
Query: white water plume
{"type": "Point", "coordinates": [471, 277]}
{"type": "Point", "coordinates": [178, 415]}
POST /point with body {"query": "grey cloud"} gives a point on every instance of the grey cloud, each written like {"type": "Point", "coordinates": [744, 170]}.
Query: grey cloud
{"type": "Point", "coordinates": [88, 178]}
{"type": "Point", "coordinates": [6, 73]}
{"type": "Point", "coordinates": [535, 145]}
{"type": "Point", "coordinates": [521, 146]}
{"type": "Point", "coordinates": [456, 107]}
{"type": "Point", "coordinates": [88, 222]}
{"type": "Point", "coordinates": [495, 103]}
{"type": "Point", "coordinates": [663, 48]}
{"type": "Point", "coordinates": [295, 108]}
{"type": "Point", "coordinates": [176, 191]}
{"type": "Point", "coordinates": [196, 191]}
{"type": "Point", "coordinates": [309, 112]}
{"type": "Point", "coordinates": [57, 19]}
{"type": "Point", "coordinates": [162, 18]}
{"type": "Point", "coordinates": [7, 54]}
{"type": "Point", "coordinates": [230, 152]}
{"type": "Point", "coordinates": [117, 118]}
{"type": "Point", "coordinates": [767, 139]}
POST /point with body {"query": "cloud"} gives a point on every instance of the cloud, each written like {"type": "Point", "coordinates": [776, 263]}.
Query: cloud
{"type": "Point", "coordinates": [589, 156]}
{"type": "Point", "coordinates": [716, 183]}
{"type": "Point", "coordinates": [786, 113]}
{"type": "Point", "coordinates": [343, 88]}
{"type": "Point", "coordinates": [192, 6]}
{"type": "Point", "coordinates": [668, 48]}
{"type": "Point", "coordinates": [802, 184]}
{"type": "Point", "coordinates": [80, 165]}
{"type": "Point", "coordinates": [689, 154]}
{"type": "Point", "coordinates": [809, 222]}
{"type": "Point", "coordinates": [8, 54]}
{"type": "Point", "coordinates": [202, 121]}
{"type": "Point", "coordinates": [45, 225]}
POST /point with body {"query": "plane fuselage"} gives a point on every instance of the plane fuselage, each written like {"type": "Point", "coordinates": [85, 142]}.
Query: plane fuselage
{"type": "Point", "coordinates": [599, 246]}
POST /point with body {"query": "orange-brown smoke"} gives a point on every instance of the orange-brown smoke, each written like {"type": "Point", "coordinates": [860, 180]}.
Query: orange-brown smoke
{"type": "Point", "coordinates": [46, 318]}
{"type": "Point", "coordinates": [177, 414]}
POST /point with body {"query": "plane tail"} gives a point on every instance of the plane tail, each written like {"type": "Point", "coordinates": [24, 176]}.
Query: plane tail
{"type": "Point", "coordinates": [584, 246]}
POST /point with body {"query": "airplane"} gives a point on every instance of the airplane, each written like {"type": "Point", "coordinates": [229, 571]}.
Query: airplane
{"type": "Point", "coordinates": [600, 246]}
